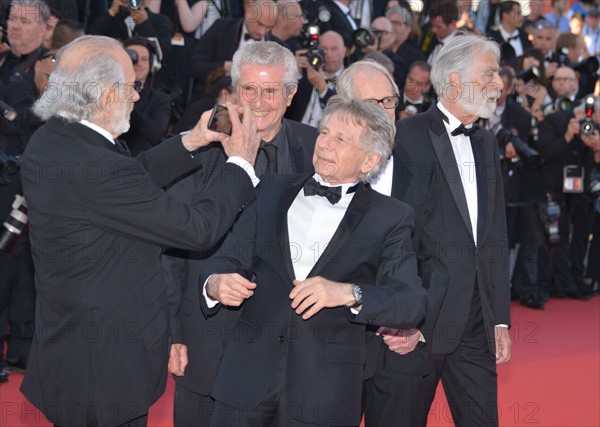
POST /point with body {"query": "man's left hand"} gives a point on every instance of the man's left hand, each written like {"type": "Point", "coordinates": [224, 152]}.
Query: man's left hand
{"type": "Point", "coordinates": [503, 344]}
{"type": "Point", "coordinates": [402, 342]}
{"type": "Point", "coordinates": [178, 359]}
{"type": "Point", "coordinates": [315, 293]}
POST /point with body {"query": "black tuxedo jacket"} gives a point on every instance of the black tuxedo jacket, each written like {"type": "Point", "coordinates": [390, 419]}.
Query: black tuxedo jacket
{"type": "Point", "coordinates": [508, 52]}
{"type": "Point", "coordinates": [325, 354]}
{"type": "Point", "coordinates": [410, 54]}
{"type": "Point", "coordinates": [216, 46]}
{"type": "Point", "coordinates": [416, 181]}
{"type": "Point", "coordinates": [486, 264]}
{"type": "Point", "coordinates": [97, 219]}
{"type": "Point", "coordinates": [338, 23]}
{"type": "Point", "coordinates": [205, 334]}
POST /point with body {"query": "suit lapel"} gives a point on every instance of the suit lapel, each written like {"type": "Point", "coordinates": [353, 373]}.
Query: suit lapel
{"type": "Point", "coordinates": [296, 151]}
{"type": "Point", "coordinates": [443, 150]}
{"type": "Point", "coordinates": [354, 214]}
{"type": "Point", "coordinates": [402, 175]}
{"type": "Point", "coordinates": [285, 201]}
{"type": "Point", "coordinates": [484, 180]}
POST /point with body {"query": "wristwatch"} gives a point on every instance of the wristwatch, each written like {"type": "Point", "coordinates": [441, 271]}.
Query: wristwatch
{"type": "Point", "coordinates": [358, 299]}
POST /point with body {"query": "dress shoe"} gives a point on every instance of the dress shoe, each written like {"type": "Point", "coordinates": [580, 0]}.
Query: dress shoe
{"type": "Point", "coordinates": [17, 364]}
{"type": "Point", "coordinates": [532, 302]}
{"type": "Point", "coordinates": [580, 295]}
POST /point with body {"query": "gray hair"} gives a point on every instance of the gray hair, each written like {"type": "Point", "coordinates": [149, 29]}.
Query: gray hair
{"type": "Point", "coordinates": [267, 53]}
{"type": "Point", "coordinates": [457, 57]}
{"type": "Point", "coordinates": [74, 90]}
{"type": "Point", "coordinates": [40, 6]}
{"type": "Point", "coordinates": [379, 128]}
{"type": "Point", "coordinates": [344, 82]}
{"type": "Point", "coordinates": [399, 10]}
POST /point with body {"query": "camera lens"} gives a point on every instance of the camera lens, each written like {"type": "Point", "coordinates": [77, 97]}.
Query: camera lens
{"type": "Point", "coordinates": [134, 4]}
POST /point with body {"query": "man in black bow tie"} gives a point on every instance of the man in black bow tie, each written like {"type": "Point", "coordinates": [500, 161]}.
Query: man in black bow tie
{"type": "Point", "coordinates": [216, 47]}
{"type": "Point", "coordinates": [312, 262]}
{"type": "Point", "coordinates": [469, 333]}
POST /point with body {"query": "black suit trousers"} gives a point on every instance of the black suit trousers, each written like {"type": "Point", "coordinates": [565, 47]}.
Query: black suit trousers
{"type": "Point", "coordinates": [468, 376]}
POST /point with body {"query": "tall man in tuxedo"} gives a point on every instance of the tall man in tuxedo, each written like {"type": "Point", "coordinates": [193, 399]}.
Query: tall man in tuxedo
{"type": "Point", "coordinates": [470, 334]}
{"type": "Point", "coordinates": [327, 256]}
{"type": "Point", "coordinates": [96, 225]}
{"type": "Point", "coordinates": [217, 46]}
{"type": "Point", "coordinates": [197, 335]}
{"type": "Point", "coordinates": [512, 39]}
{"type": "Point", "coordinates": [397, 359]}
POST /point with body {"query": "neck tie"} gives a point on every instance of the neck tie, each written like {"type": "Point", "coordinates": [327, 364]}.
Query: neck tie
{"type": "Point", "coordinates": [313, 188]}
{"type": "Point", "coordinates": [271, 153]}
{"type": "Point", "coordinates": [467, 132]}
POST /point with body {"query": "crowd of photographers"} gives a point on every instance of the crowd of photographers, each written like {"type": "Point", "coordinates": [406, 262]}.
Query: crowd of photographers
{"type": "Point", "coordinates": [546, 122]}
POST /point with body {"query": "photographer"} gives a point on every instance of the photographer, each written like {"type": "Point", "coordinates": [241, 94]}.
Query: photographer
{"type": "Point", "coordinates": [569, 142]}
{"type": "Point", "coordinates": [320, 69]}
{"type": "Point", "coordinates": [524, 193]}
{"type": "Point", "coordinates": [564, 90]}
{"type": "Point", "coordinates": [122, 22]}
{"type": "Point", "coordinates": [150, 116]}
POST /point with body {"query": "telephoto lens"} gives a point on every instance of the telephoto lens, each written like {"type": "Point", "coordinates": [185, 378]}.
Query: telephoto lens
{"type": "Point", "coordinates": [14, 224]}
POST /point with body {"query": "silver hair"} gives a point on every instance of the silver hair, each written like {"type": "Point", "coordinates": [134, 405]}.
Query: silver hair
{"type": "Point", "coordinates": [406, 15]}
{"type": "Point", "coordinates": [267, 53]}
{"type": "Point", "coordinates": [74, 90]}
{"type": "Point", "coordinates": [379, 128]}
{"type": "Point", "coordinates": [344, 83]}
{"type": "Point", "coordinates": [458, 56]}
{"type": "Point", "coordinates": [40, 6]}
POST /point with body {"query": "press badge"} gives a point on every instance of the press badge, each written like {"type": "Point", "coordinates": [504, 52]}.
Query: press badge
{"type": "Point", "coordinates": [177, 40]}
{"type": "Point", "coordinates": [573, 179]}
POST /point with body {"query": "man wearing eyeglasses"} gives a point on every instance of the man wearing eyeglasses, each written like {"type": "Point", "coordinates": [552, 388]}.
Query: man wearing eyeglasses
{"type": "Point", "coordinates": [98, 218]}
{"type": "Point", "coordinates": [396, 359]}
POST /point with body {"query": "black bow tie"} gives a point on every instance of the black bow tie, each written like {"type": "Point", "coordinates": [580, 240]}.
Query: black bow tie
{"type": "Point", "coordinates": [247, 37]}
{"type": "Point", "coordinates": [467, 132]}
{"type": "Point", "coordinates": [313, 188]}
{"type": "Point", "coordinates": [508, 40]}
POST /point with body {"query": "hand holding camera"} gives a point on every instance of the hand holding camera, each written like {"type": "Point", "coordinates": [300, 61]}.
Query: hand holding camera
{"type": "Point", "coordinates": [135, 8]}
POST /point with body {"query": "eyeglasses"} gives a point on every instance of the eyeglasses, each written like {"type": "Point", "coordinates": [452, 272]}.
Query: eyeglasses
{"type": "Point", "coordinates": [388, 102]}
{"type": "Point", "coordinates": [137, 85]}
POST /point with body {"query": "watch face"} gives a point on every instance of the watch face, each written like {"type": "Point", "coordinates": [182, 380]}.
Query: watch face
{"type": "Point", "coordinates": [324, 15]}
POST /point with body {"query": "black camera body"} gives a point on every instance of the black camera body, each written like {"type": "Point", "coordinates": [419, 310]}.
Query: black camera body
{"type": "Point", "coordinates": [363, 37]}
{"type": "Point", "coordinates": [560, 58]}
{"type": "Point", "coordinates": [587, 126]}
{"type": "Point", "coordinates": [504, 136]}
{"type": "Point", "coordinates": [310, 40]}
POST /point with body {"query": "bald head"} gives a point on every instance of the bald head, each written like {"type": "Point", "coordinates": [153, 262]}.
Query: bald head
{"type": "Point", "coordinates": [260, 17]}
{"type": "Point", "coordinates": [388, 36]}
{"type": "Point", "coordinates": [333, 45]}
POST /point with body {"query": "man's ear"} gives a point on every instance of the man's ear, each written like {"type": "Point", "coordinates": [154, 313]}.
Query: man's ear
{"type": "Point", "coordinates": [290, 96]}
{"type": "Point", "coordinates": [370, 161]}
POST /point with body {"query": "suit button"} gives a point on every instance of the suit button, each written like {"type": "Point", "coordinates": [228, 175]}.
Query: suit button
{"type": "Point", "coordinates": [281, 339]}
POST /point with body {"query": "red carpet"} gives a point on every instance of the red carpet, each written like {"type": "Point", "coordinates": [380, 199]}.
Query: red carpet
{"type": "Point", "coordinates": [553, 379]}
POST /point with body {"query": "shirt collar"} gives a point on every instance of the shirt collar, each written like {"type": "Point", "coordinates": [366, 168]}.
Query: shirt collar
{"type": "Point", "coordinates": [98, 129]}
{"type": "Point", "coordinates": [452, 122]}
{"type": "Point", "coordinates": [505, 34]}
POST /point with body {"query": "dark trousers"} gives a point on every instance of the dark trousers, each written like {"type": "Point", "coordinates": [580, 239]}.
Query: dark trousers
{"type": "Point", "coordinates": [468, 375]}
{"type": "Point", "coordinates": [191, 409]}
{"type": "Point", "coordinates": [525, 281]}
{"type": "Point", "coordinates": [392, 397]}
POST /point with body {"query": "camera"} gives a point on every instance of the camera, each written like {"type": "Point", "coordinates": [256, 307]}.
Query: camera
{"type": "Point", "coordinates": [528, 75]}
{"type": "Point", "coordinates": [560, 58]}
{"type": "Point", "coordinates": [504, 136]}
{"type": "Point", "coordinates": [587, 66]}
{"type": "Point", "coordinates": [563, 104]}
{"type": "Point", "coordinates": [134, 4]}
{"type": "Point", "coordinates": [14, 224]}
{"type": "Point", "coordinates": [310, 41]}
{"type": "Point", "coordinates": [133, 55]}
{"type": "Point", "coordinates": [587, 126]}
{"type": "Point", "coordinates": [363, 37]}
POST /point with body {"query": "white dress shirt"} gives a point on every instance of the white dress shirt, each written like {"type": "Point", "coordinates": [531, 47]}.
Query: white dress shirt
{"type": "Point", "coordinates": [514, 42]}
{"type": "Point", "coordinates": [463, 153]}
